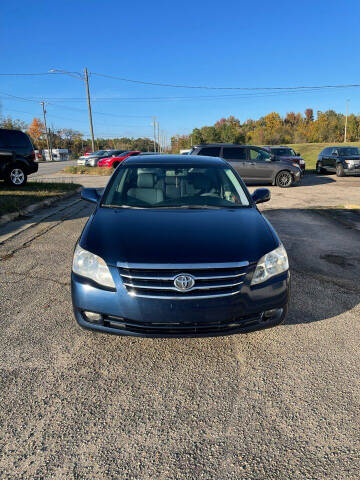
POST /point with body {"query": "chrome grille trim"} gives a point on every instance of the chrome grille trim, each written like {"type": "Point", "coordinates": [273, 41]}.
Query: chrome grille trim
{"type": "Point", "coordinates": [196, 277]}
{"type": "Point", "coordinates": [200, 287]}
{"type": "Point", "coordinates": [180, 266]}
{"type": "Point", "coordinates": [212, 280]}
{"type": "Point", "coordinates": [183, 297]}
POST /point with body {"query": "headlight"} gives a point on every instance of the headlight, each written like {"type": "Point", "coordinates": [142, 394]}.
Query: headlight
{"type": "Point", "coordinates": [91, 266]}
{"type": "Point", "coordinates": [271, 264]}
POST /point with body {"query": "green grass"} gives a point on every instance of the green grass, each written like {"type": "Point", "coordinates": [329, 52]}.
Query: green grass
{"type": "Point", "coordinates": [13, 199]}
{"type": "Point", "coordinates": [310, 151]}
{"type": "Point", "coordinates": [88, 171]}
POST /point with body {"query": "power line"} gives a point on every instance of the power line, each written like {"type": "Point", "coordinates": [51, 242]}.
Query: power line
{"type": "Point", "coordinates": [172, 85]}
{"type": "Point", "coordinates": [25, 74]}
{"type": "Point", "coordinates": [205, 87]}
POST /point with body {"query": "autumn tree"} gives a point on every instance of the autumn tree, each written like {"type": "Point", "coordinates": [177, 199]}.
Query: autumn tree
{"type": "Point", "coordinates": [36, 129]}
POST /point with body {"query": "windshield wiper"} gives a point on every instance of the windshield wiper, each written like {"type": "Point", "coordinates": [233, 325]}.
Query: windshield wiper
{"type": "Point", "coordinates": [121, 206]}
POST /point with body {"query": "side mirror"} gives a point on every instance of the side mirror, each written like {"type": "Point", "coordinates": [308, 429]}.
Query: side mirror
{"type": "Point", "coordinates": [335, 153]}
{"type": "Point", "coordinates": [90, 195]}
{"type": "Point", "coordinates": [261, 195]}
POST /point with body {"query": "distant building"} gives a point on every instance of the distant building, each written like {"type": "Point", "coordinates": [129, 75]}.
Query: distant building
{"type": "Point", "coordinates": [58, 154]}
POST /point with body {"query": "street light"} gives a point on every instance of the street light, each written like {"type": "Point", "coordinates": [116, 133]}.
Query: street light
{"type": "Point", "coordinates": [85, 79]}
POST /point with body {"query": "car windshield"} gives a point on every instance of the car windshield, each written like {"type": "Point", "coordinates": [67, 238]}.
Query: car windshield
{"type": "Point", "coordinates": [284, 152]}
{"type": "Point", "coordinates": [345, 151]}
{"type": "Point", "coordinates": [175, 186]}
{"type": "Point", "coordinates": [99, 152]}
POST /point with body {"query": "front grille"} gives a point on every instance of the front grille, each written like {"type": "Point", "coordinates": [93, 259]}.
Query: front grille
{"type": "Point", "coordinates": [157, 281]}
{"type": "Point", "coordinates": [184, 328]}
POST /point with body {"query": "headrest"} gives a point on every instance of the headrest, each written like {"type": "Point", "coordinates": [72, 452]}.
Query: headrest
{"type": "Point", "coordinates": [200, 181]}
{"type": "Point", "coordinates": [145, 180]}
{"type": "Point", "coordinates": [170, 180]}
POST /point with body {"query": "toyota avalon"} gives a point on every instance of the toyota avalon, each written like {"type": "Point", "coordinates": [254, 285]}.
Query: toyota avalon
{"type": "Point", "coordinates": [176, 246]}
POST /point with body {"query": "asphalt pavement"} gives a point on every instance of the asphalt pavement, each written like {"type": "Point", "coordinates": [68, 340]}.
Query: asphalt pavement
{"type": "Point", "coordinates": [49, 168]}
{"type": "Point", "coordinates": [281, 403]}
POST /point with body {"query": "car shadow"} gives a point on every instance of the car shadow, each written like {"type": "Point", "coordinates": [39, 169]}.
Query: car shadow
{"type": "Point", "coordinates": [322, 250]}
{"type": "Point", "coordinates": [308, 179]}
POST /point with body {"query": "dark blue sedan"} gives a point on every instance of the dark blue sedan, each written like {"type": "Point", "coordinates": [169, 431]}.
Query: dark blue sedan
{"type": "Point", "coordinates": [177, 247]}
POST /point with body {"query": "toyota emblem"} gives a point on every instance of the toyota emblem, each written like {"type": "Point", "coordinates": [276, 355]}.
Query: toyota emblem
{"type": "Point", "coordinates": [184, 282]}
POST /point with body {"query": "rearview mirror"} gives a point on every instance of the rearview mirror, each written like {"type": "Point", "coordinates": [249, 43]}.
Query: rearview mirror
{"type": "Point", "coordinates": [90, 195]}
{"type": "Point", "coordinates": [261, 195]}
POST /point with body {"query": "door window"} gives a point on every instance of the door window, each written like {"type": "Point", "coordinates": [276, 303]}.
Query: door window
{"type": "Point", "coordinates": [210, 151]}
{"type": "Point", "coordinates": [259, 155]}
{"type": "Point", "coordinates": [14, 139]}
{"type": "Point", "coordinates": [234, 153]}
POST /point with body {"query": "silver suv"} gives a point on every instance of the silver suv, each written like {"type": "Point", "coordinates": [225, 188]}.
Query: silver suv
{"type": "Point", "coordinates": [254, 164]}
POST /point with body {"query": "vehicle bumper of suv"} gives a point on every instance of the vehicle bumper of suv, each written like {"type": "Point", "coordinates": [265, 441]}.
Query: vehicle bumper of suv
{"type": "Point", "coordinates": [246, 309]}
{"type": "Point", "coordinates": [32, 168]}
{"type": "Point", "coordinates": [351, 168]}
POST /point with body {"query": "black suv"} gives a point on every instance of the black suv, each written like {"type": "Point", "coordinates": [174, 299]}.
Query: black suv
{"type": "Point", "coordinates": [342, 160]}
{"type": "Point", "coordinates": [17, 157]}
{"type": "Point", "coordinates": [254, 164]}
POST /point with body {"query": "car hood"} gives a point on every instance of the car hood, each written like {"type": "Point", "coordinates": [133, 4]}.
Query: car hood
{"type": "Point", "coordinates": [173, 236]}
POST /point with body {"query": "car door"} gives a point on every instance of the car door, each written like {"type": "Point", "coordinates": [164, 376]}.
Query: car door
{"type": "Point", "coordinates": [331, 163]}
{"type": "Point", "coordinates": [237, 157]}
{"type": "Point", "coordinates": [261, 165]}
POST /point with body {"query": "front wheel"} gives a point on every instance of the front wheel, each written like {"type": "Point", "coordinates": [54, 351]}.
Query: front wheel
{"type": "Point", "coordinates": [320, 169]}
{"type": "Point", "coordinates": [284, 179]}
{"type": "Point", "coordinates": [16, 176]}
{"type": "Point", "coordinates": [340, 170]}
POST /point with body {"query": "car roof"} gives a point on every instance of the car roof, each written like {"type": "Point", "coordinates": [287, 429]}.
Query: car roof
{"type": "Point", "coordinates": [174, 160]}
{"type": "Point", "coordinates": [223, 145]}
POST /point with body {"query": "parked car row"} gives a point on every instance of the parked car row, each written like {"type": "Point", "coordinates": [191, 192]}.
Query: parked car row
{"type": "Point", "coordinates": [109, 158]}
{"type": "Point", "coordinates": [276, 165]}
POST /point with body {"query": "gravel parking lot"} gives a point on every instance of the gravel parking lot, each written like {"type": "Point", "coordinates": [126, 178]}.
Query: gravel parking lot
{"type": "Point", "coordinates": [279, 404]}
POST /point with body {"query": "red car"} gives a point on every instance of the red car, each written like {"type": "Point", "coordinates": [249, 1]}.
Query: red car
{"type": "Point", "coordinates": [113, 162]}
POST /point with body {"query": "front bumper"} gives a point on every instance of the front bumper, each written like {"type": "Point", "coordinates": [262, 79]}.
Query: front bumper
{"type": "Point", "coordinates": [123, 314]}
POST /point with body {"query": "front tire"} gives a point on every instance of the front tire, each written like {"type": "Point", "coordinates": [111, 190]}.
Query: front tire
{"type": "Point", "coordinates": [284, 179]}
{"type": "Point", "coordinates": [340, 170]}
{"type": "Point", "coordinates": [319, 168]}
{"type": "Point", "coordinates": [16, 176]}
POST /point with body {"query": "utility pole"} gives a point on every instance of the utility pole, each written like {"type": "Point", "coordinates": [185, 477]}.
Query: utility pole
{"type": "Point", "coordinates": [46, 131]}
{"type": "Point", "coordinates": [158, 136]}
{"type": "Point", "coordinates": [346, 119]}
{"type": "Point", "coordinates": [86, 78]}
{"type": "Point", "coordinates": [154, 125]}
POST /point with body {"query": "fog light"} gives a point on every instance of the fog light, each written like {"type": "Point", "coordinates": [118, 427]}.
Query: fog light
{"type": "Point", "coordinates": [93, 317]}
{"type": "Point", "coordinates": [276, 312]}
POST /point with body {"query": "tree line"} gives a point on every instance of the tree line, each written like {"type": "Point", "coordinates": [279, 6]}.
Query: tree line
{"type": "Point", "coordinates": [272, 129]}
{"type": "Point", "coordinates": [73, 140]}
